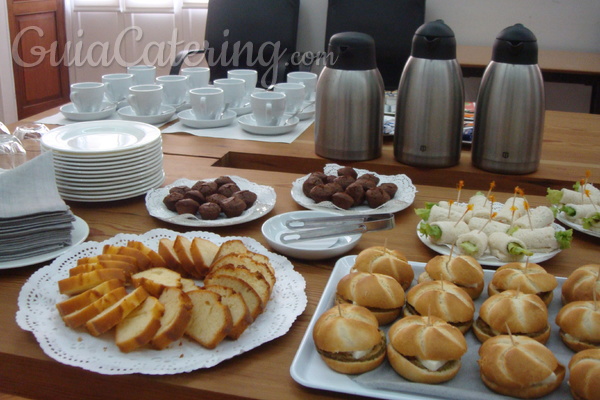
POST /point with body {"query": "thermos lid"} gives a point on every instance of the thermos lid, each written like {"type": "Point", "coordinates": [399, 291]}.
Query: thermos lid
{"type": "Point", "coordinates": [434, 41]}
{"type": "Point", "coordinates": [352, 51]}
{"type": "Point", "coordinates": [516, 45]}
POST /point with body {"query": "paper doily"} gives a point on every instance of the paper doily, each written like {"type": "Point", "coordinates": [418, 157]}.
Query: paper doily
{"type": "Point", "coordinates": [37, 313]}
{"type": "Point", "coordinates": [403, 198]}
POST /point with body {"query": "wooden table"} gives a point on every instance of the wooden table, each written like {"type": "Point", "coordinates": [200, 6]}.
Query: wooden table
{"type": "Point", "coordinates": [556, 66]}
{"type": "Point", "coordinates": [571, 146]}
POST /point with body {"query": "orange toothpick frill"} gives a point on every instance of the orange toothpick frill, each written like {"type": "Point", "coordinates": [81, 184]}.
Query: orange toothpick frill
{"type": "Point", "coordinates": [512, 217]}
{"type": "Point", "coordinates": [460, 185]}
{"type": "Point", "coordinates": [469, 208]}
{"type": "Point", "coordinates": [526, 206]}
{"type": "Point", "coordinates": [489, 193]}
{"type": "Point", "coordinates": [450, 202]}
{"type": "Point", "coordinates": [492, 216]}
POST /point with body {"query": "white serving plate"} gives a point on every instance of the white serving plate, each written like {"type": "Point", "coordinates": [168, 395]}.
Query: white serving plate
{"type": "Point", "coordinates": [96, 160]}
{"type": "Point", "coordinates": [37, 313]}
{"type": "Point", "coordinates": [265, 202]}
{"type": "Point", "coordinates": [100, 137]}
{"type": "Point", "coordinates": [308, 369]}
{"type": "Point", "coordinates": [248, 123]}
{"type": "Point", "coordinates": [403, 198]}
{"type": "Point", "coordinates": [575, 226]}
{"type": "Point", "coordinates": [78, 235]}
{"type": "Point", "coordinates": [126, 193]}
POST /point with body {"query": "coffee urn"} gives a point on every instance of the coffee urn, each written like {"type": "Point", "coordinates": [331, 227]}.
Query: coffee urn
{"type": "Point", "coordinates": [509, 115]}
{"type": "Point", "coordinates": [349, 100]}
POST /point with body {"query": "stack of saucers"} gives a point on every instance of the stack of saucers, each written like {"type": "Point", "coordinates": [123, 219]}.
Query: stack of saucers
{"type": "Point", "coordinates": [105, 160]}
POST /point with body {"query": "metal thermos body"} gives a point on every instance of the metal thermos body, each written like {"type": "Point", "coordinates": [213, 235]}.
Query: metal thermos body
{"type": "Point", "coordinates": [509, 119]}
{"type": "Point", "coordinates": [510, 107]}
{"type": "Point", "coordinates": [349, 114]}
{"type": "Point", "coordinates": [349, 101]}
{"type": "Point", "coordinates": [429, 113]}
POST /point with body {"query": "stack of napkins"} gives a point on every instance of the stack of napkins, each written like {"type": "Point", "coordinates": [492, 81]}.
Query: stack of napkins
{"type": "Point", "coordinates": [34, 219]}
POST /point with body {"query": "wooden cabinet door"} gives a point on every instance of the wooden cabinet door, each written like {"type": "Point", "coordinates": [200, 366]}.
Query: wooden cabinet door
{"type": "Point", "coordinates": [37, 30]}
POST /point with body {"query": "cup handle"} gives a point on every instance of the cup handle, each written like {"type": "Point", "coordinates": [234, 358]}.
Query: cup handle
{"type": "Point", "coordinates": [73, 96]}
{"type": "Point", "coordinates": [131, 99]}
{"type": "Point", "coordinates": [269, 112]}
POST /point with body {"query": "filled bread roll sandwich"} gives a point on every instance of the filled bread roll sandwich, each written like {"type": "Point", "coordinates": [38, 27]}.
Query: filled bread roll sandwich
{"type": "Point", "coordinates": [515, 312]}
{"type": "Point", "coordinates": [442, 299]}
{"type": "Point", "coordinates": [464, 271]}
{"type": "Point", "coordinates": [425, 349]}
{"type": "Point", "coordinates": [348, 339]}
{"type": "Point", "coordinates": [381, 260]}
{"type": "Point", "coordinates": [581, 284]}
{"type": "Point", "coordinates": [584, 375]}
{"type": "Point", "coordinates": [381, 294]}
{"type": "Point", "coordinates": [526, 277]}
{"type": "Point", "coordinates": [579, 323]}
{"type": "Point", "coordinates": [519, 366]}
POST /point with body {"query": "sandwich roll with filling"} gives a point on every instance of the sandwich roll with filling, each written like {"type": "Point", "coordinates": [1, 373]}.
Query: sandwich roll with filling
{"type": "Point", "coordinates": [462, 270]}
{"type": "Point", "coordinates": [581, 284]}
{"type": "Point", "coordinates": [382, 260]}
{"type": "Point", "coordinates": [526, 277]}
{"type": "Point", "coordinates": [425, 349]}
{"type": "Point", "coordinates": [584, 374]}
{"type": "Point", "coordinates": [579, 323]}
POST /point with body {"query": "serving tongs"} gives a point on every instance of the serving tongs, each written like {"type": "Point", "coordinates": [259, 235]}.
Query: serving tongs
{"type": "Point", "coordinates": [323, 227]}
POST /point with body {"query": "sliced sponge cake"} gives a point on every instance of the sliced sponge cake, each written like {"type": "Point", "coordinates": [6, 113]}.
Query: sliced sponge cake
{"type": "Point", "coordinates": [211, 319]}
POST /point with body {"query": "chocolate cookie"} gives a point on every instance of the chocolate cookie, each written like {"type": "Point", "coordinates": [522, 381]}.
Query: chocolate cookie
{"type": "Point", "coordinates": [233, 207]}
{"type": "Point", "coordinates": [194, 195]}
{"type": "Point", "coordinates": [377, 197]}
{"type": "Point", "coordinates": [342, 200]}
{"type": "Point", "coordinates": [209, 211]}
{"type": "Point", "coordinates": [344, 181]}
{"type": "Point", "coordinates": [310, 183]}
{"type": "Point", "coordinates": [171, 199]}
{"type": "Point", "coordinates": [228, 189]}
{"type": "Point", "coordinates": [247, 196]}
{"type": "Point", "coordinates": [347, 171]}
{"type": "Point", "coordinates": [390, 188]}
{"type": "Point", "coordinates": [187, 206]}
{"type": "Point", "coordinates": [357, 192]}
{"type": "Point", "coordinates": [222, 180]}
{"type": "Point", "coordinates": [370, 177]}
{"type": "Point", "coordinates": [321, 193]}
{"type": "Point", "coordinates": [207, 188]}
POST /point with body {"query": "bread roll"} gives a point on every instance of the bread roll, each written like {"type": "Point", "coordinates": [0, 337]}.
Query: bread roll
{"type": "Point", "coordinates": [581, 283]}
{"type": "Point", "coordinates": [425, 349]}
{"type": "Point", "coordinates": [526, 277]}
{"type": "Point", "coordinates": [462, 270]}
{"type": "Point", "coordinates": [349, 340]}
{"type": "Point", "coordinates": [381, 294]}
{"type": "Point", "coordinates": [521, 313]}
{"type": "Point", "coordinates": [442, 299]}
{"type": "Point", "coordinates": [519, 366]}
{"type": "Point", "coordinates": [579, 323]}
{"type": "Point", "coordinates": [381, 260]}
{"type": "Point", "coordinates": [584, 374]}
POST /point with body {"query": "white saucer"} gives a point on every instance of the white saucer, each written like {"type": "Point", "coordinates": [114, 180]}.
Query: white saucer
{"type": "Point", "coordinates": [242, 110]}
{"type": "Point", "coordinates": [308, 112]}
{"type": "Point", "coordinates": [165, 113]}
{"type": "Point", "coordinates": [248, 123]}
{"type": "Point", "coordinates": [188, 119]}
{"type": "Point", "coordinates": [70, 112]}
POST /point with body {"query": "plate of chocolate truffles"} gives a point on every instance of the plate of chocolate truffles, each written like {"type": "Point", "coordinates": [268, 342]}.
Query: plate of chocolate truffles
{"type": "Point", "coordinates": [348, 190]}
{"type": "Point", "coordinates": [222, 201]}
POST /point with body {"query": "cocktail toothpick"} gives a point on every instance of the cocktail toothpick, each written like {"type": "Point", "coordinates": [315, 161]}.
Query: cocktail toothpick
{"type": "Point", "coordinates": [492, 186]}
{"type": "Point", "coordinates": [469, 208]}
{"type": "Point", "coordinates": [460, 185]}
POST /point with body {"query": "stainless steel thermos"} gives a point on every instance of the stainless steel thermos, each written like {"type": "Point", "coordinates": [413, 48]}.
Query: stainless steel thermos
{"type": "Point", "coordinates": [431, 102]}
{"type": "Point", "coordinates": [349, 100]}
{"type": "Point", "coordinates": [509, 115]}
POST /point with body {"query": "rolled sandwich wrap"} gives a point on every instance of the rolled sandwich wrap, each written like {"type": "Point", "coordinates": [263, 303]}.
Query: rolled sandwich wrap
{"type": "Point", "coordinates": [473, 243]}
{"type": "Point", "coordinates": [507, 248]}
{"type": "Point", "coordinates": [577, 212]}
{"type": "Point", "coordinates": [537, 217]}
{"type": "Point", "coordinates": [539, 240]}
{"type": "Point", "coordinates": [438, 213]}
{"type": "Point", "coordinates": [506, 213]}
{"type": "Point", "coordinates": [489, 227]}
{"type": "Point", "coordinates": [444, 232]}
{"type": "Point", "coordinates": [566, 196]}
{"type": "Point", "coordinates": [592, 222]}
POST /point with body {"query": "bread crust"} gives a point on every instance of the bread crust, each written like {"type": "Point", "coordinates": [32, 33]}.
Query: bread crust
{"type": "Point", "coordinates": [581, 283]}
{"type": "Point", "coordinates": [114, 314]}
{"type": "Point", "coordinates": [526, 277]}
{"type": "Point", "coordinates": [584, 374]}
{"type": "Point", "coordinates": [381, 260]}
{"type": "Point", "coordinates": [139, 327]}
{"type": "Point", "coordinates": [176, 317]}
{"type": "Point", "coordinates": [462, 270]}
{"type": "Point", "coordinates": [579, 323]}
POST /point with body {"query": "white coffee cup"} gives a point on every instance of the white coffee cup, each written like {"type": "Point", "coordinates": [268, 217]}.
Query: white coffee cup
{"type": "Point", "coordinates": [117, 86]}
{"type": "Point", "coordinates": [175, 88]}
{"type": "Point", "coordinates": [207, 103]}
{"type": "Point", "coordinates": [268, 108]}
{"type": "Point", "coordinates": [249, 76]}
{"type": "Point", "coordinates": [308, 79]}
{"type": "Point", "coordinates": [145, 100]}
{"type": "Point", "coordinates": [197, 76]}
{"type": "Point", "coordinates": [294, 95]}
{"type": "Point", "coordinates": [233, 89]}
{"type": "Point", "coordinates": [142, 74]}
{"type": "Point", "coordinates": [87, 96]}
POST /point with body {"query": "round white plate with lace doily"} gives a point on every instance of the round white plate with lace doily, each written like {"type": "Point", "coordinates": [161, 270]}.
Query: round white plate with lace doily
{"type": "Point", "coordinates": [37, 313]}
{"type": "Point", "coordinates": [265, 201]}
{"type": "Point", "coordinates": [403, 198]}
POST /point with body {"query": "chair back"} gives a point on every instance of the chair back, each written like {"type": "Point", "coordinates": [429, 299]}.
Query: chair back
{"type": "Point", "coordinates": [391, 23]}
{"type": "Point", "coordinates": [255, 34]}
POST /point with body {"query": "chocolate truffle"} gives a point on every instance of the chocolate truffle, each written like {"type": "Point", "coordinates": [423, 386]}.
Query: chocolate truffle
{"type": "Point", "coordinates": [216, 198]}
{"type": "Point", "coordinates": [310, 183]}
{"type": "Point", "coordinates": [209, 211]}
{"type": "Point", "coordinates": [370, 177]}
{"type": "Point", "coordinates": [228, 189]}
{"type": "Point", "coordinates": [207, 188]}
{"type": "Point", "coordinates": [344, 181]}
{"type": "Point", "coordinates": [347, 171]}
{"type": "Point", "coordinates": [172, 198]}
{"type": "Point", "coordinates": [187, 206]}
{"type": "Point", "coordinates": [194, 195]}
{"type": "Point", "coordinates": [233, 207]}
{"type": "Point", "coordinates": [321, 193]}
{"type": "Point", "coordinates": [330, 179]}
{"type": "Point", "coordinates": [179, 189]}
{"type": "Point", "coordinates": [390, 188]}
{"type": "Point", "coordinates": [247, 196]}
{"type": "Point", "coordinates": [321, 175]}
{"type": "Point", "coordinates": [357, 192]}
{"type": "Point", "coordinates": [342, 200]}
{"type": "Point", "coordinates": [377, 197]}
{"type": "Point", "coordinates": [366, 183]}
{"type": "Point", "coordinates": [197, 185]}
{"type": "Point", "coordinates": [220, 181]}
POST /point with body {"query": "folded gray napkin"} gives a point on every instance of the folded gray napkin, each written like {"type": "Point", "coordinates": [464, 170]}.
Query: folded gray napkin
{"type": "Point", "coordinates": [34, 219]}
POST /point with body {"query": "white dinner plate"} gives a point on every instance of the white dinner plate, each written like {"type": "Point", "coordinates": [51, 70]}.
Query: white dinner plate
{"type": "Point", "coordinates": [487, 259]}
{"type": "Point", "coordinates": [404, 197]}
{"type": "Point", "coordinates": [101, 137]}
{"type": "Point", "coordinates": [308, 369]}
{"type": "Point", "coordinates": [78, 235]}
{"type": "Point", "coordinates": [96, 161]}
{"type": "Point", "coordinates": [578, 227]}
{"type": "Point", "coordinates": [126, 193]}
{"type": "Point", "coordinates": [70, 112]}
{"type": "Point", "coordinates": [109, 183]}
{"type": "Point", "coordinates": [248, 123]}
{"type": "Point", "coordinates": [108, 169]}
{"type": "Point", "coordinates": [37, 313]}
{"type": "Point", "coordinates": [265, 202]}
{"type": "Point", "coordinates": [164, 114]}
{"type": "Point", "coordinates": [188, 119]}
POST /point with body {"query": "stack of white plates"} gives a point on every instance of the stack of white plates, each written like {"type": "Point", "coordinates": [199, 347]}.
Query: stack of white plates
{"type": "Point", "coordinates": [105, 160]}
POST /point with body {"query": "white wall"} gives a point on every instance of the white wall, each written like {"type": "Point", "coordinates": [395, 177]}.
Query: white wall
{"type": "Point", "coordinates": [8, 102]}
